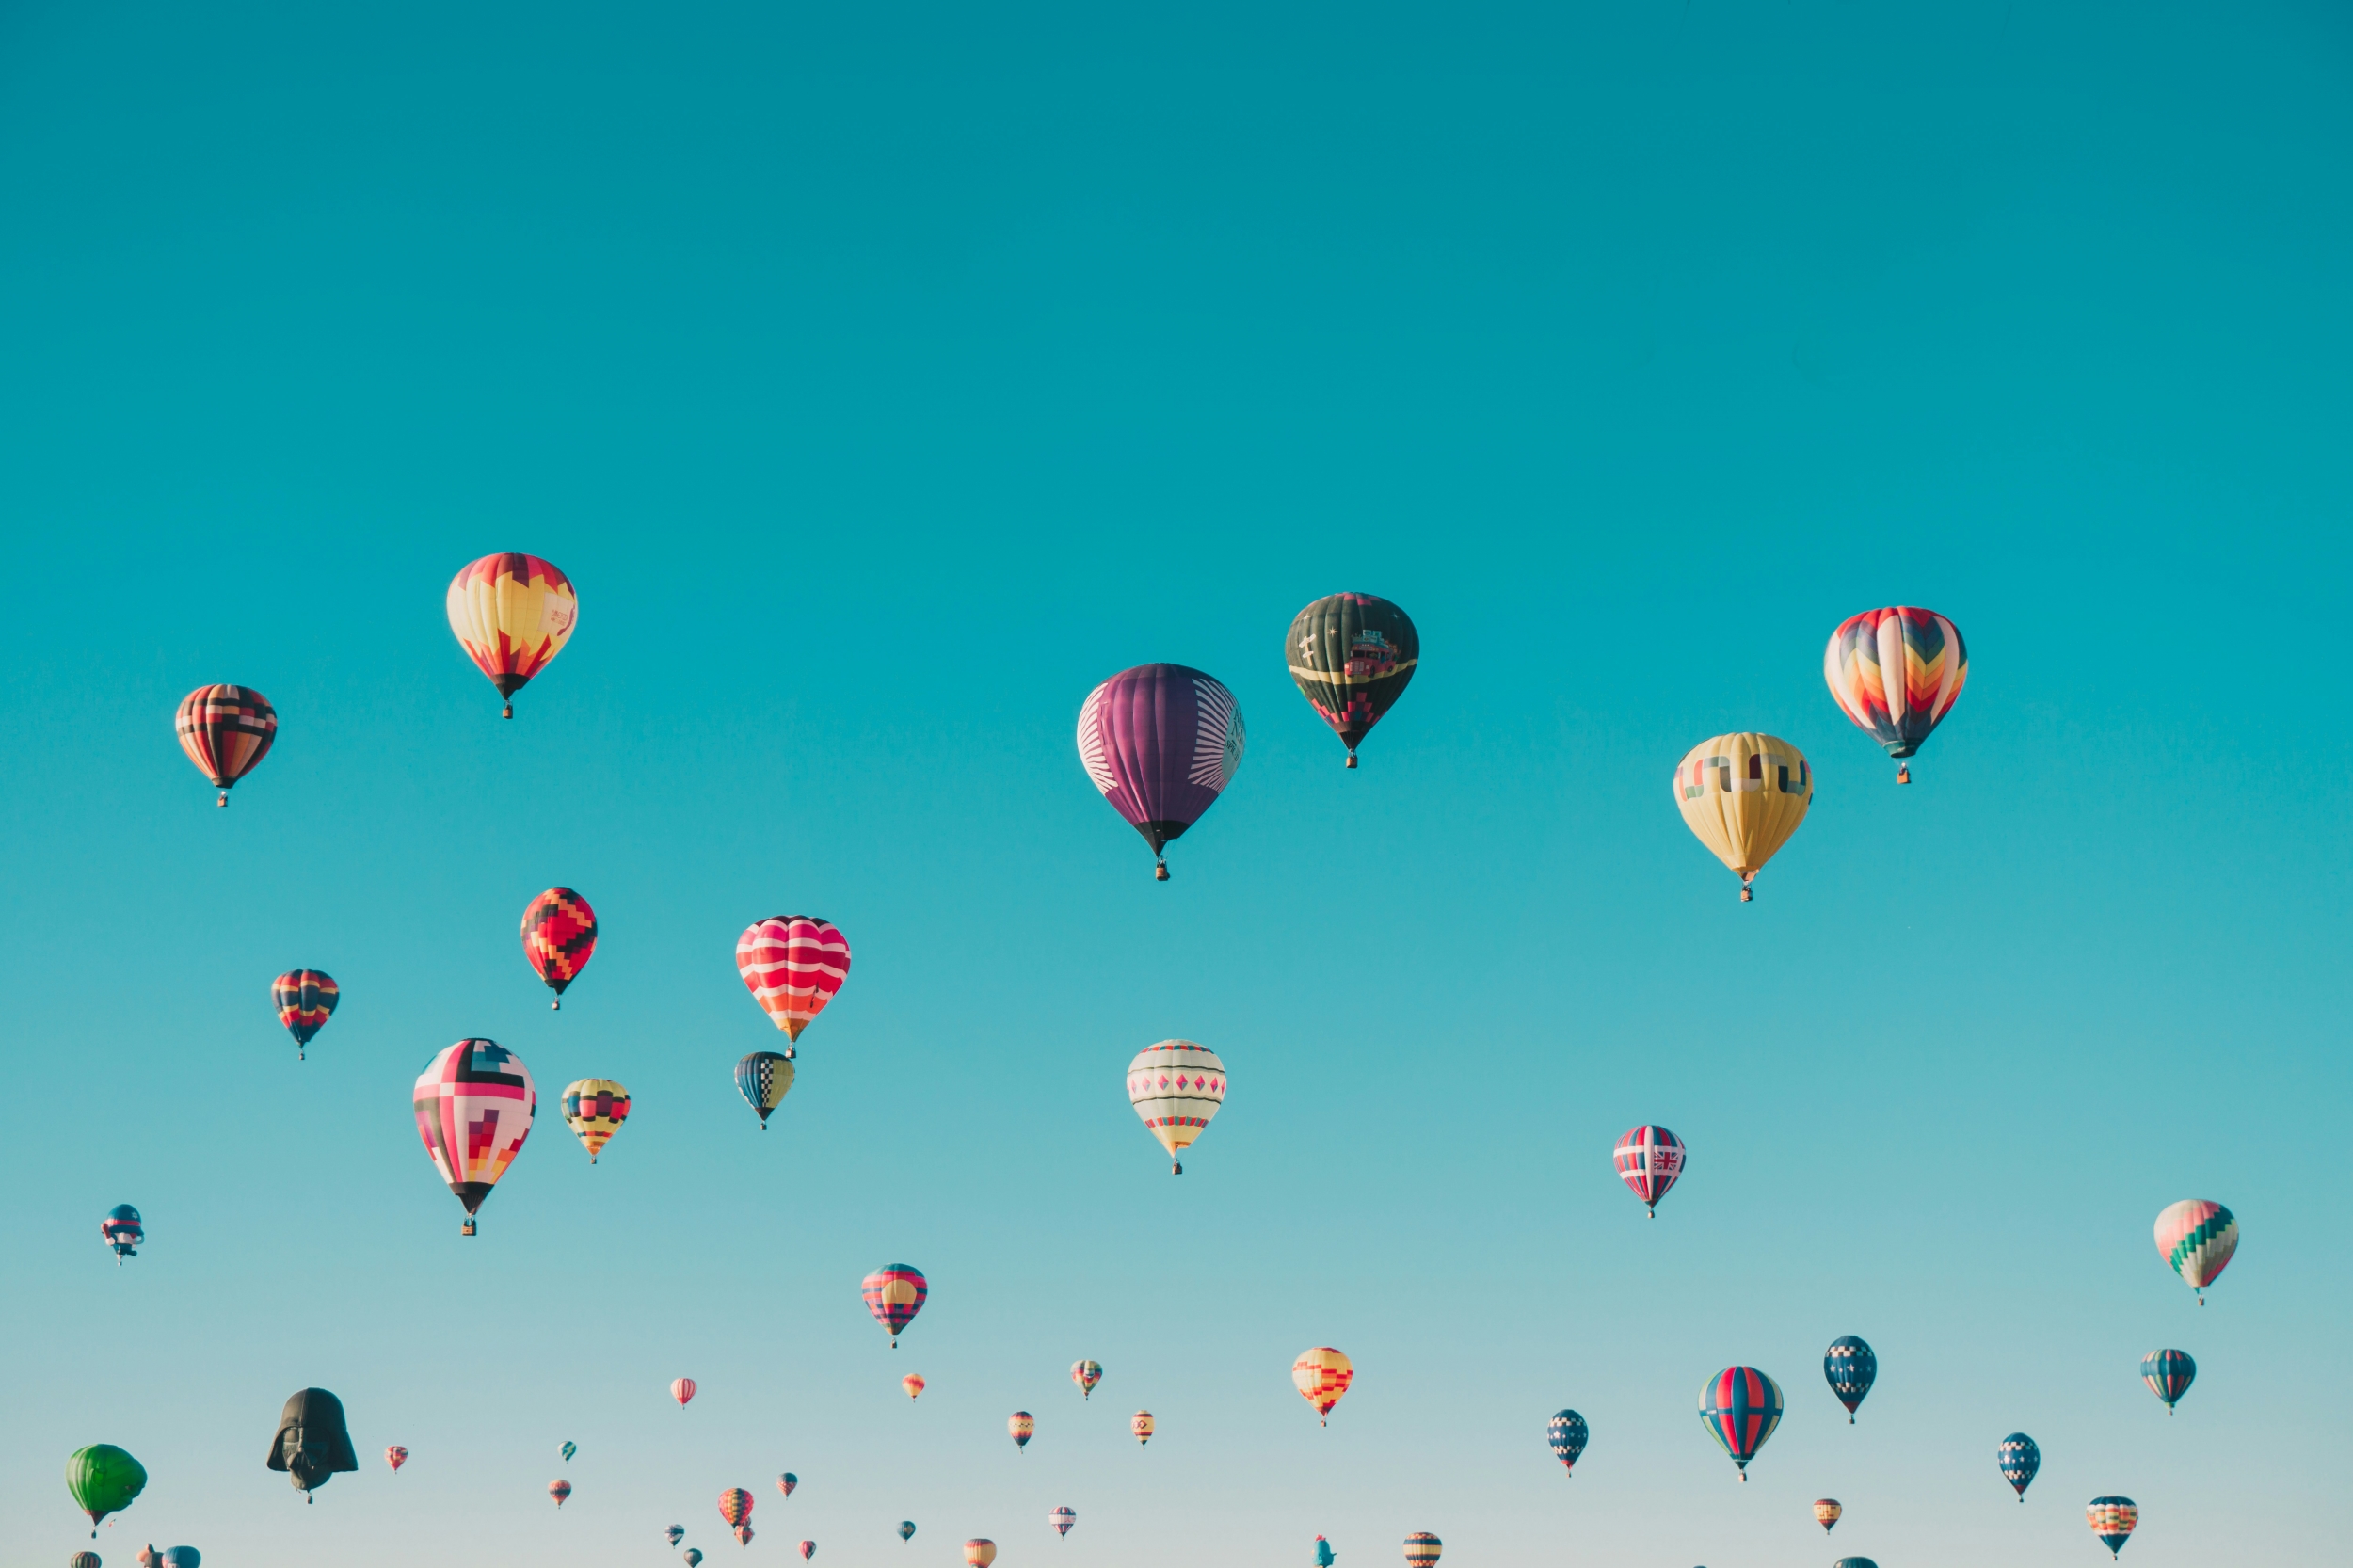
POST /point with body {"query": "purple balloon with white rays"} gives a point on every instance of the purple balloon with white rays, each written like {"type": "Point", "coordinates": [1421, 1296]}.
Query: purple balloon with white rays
{"type": "Point", "coordinates": [1160, 741]}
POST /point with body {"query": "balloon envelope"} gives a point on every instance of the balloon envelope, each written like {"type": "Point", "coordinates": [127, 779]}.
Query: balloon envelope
{"type": "Point", "coordinates": [2019, 1459]}
{"type": "Point", "coordinates": [305, 1000]}
{"type": "Point", "coordinates": [677, 1533]}
{"type": "Point", "coordinates": [763, 1079]}
{"type": "Point", "coordinates": [226, 731]}
{"type": "Point", "coordinates": [913, 1384]}
{"type": "Point", "coordinates": [793, 965]}
{"type": "Point", "coordinates": [1421, 1550]}
{"type": "Point", "coordinates": [1352, 656]}
{"type": "Point", "coordinates": [894, 1295]}
{"type": "Point", "coordinates": [1061, 1519]}
{"type": "Point", "coordinates": [907, 1529]}
{"type": "Point", "coordinates": [980, 1554]}
{"type": "Point", "coordinates": [104, 1479]}
{"type": "Point", "coordinates": [682, 1389]}
{"type": "Point", "coordinates": [567, 1450]}
{"type": "Point", "coordinates": [395, 1456]}
{"type": "Point", "coordinates": [559, 937]}
{"type": "Point", "coordinates": [1742, 796]}
{"type": "Point", "coordinates": [787, 1481]}
{"type": "Point", "coordinates": [693, 1558]}
{"type": "Point", "coordinates": [1086, 1374]}
{"type": "Point", "coordinates": [1566, 1433]}
{"type": "Point", "coordinates": [1022, 1425]}
{"type": "Point", "coordinates": [1141, 1424]}
{"type": "Point", "coordinates": [2168, 1375]}
{"type": "Point", "coordinates": [182, 1557]}
{"type": "Point", "coordinates": [559, 1490]}
{"type": "Point", "coordinates": [475, 1104]}
{"type": "Point", "coordinates": [1160, 741]}
{"type": "Point", "coordinates": [1322, 1375]}
{"type": "Point", "coordinates": [1826, 1512]}
{"type": "Point", "coordinates": [2196, 1238]}
{"type": "Point", "coordinates": [809, 1549]}
{"type": "Point", "coordinates": [512, 614]}
{"type": "Point", "coordinates": [735, 1505]}
{"type": "Point", "coordinates": [1177, 1087]}
{"type": "Point", "coordinates": [1650, 1159]}
{"type": "Point", "coordinates": [594, 1108]}
{"type": "Point", "coordinates": [1850, 1369]}
{"type": "Point", "coordinates": [1896, 673]}
{"type": "Point", "coordinates": [2112, 1520]}
{"type": "Point", "coordinates": [314, 1441]}
{"type": "Point", "coordinates": [1741, 1406]}
{"type": "Point", "coordinates": [123, 1230]}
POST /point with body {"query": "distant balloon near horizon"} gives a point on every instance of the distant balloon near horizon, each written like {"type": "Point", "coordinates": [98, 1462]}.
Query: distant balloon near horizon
{"type": "Point", "coordinates": [559, 1490]}
{"type": "Point", "coordinates": [1324, 1554]}
{"type": "Point", "coordinates": [1895, 673]}
{"type": "Point", "coordinates": [475, 1104]}
{"type": "Point", "coordinates": [594, 1108]}
{"type": "Point", "coordinates": [1322, 1375]}
{"type": "Point", "coordinates": [913, 1383]}
{"type": "Point", "coordinates": [1177, 1087]}
{"type": "Point", "coordinates": [1742, 796]}
{"type": "Point", "coordinates": [1650, 1159]}
{"type": "Point", "coordinates": [1141, 1424]}
{"type": "Point", "coordinates": [2197, 1237]}
{"type": "Point", "coordinates": [677, 1533]}
{"type": "Point", "coordinates": [395, 1456]}
{"type": "Point", "coordinates": [567, 1450]}
{"type": "Point", "coordinates": [894, 1295]}
{"type": "Point", "coordinates": [124, 1231]}
{"type": "Point", "coordinates": [907, 1529]}
{"type": "Point", "coordinates": [1022, 1425]}
{"type": "Point", "coordinates": [1352, 656]}
{"type": "Point", "coordinates": [1086, 1374]}
{"type": "Point", "coordinates": [180, 1557]}
{"type": "Point", "coordinates": [1061, 1519]}
{"type": "Point", "coordinates": [1160, 741]}
{"type": "Point", "coordinates": [2113, 1520]}
{"type": "Point", "coordinates": [305, 1000]}
{"type": "Point", "coordinates": [693, 1557]}
{"type": "Point", "coordinates": [83, 1559]}
{"type": "Point", "coordinates": [1850, 1369]}
{"type": "Point", "coordinates": [763, 1079]}
{"type": "Point", "coordinates": [1565, 1433]}
{"type": "Point", "coordinates": [1826, 1512]}
{"type": "Point", "coordinates": [559, 937]}
{"type": "Point", "coordinates": [1740, 1406]}
{"type": "Point", "coordinates": [682, 1390]}
{"type": "Point", "coordinates": [980, 1553]}
{"type": "Point", "coordinates": [2019, 1460]}
{"type": "Point", "coordinates": [793, 965]}
{"type": "Point", "coordinates": [226, 731]}
{"type": "Point", "coordinates": [787, 1481]}
{"type": "Point", "coordinates": [512, 614]}
{"type": "Point", "coordinates": [1855, 1562]}
{"type": "Point", "coordinates": [2169, 1375]}
{"type": "Point", "coordinates": [1422, 1549]}
{"type": "Point", "coordinates": [809, 1549]}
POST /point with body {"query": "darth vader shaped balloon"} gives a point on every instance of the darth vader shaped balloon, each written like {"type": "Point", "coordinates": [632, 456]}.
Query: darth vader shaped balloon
{"type": "Point", "coordinates": [313, 1443]}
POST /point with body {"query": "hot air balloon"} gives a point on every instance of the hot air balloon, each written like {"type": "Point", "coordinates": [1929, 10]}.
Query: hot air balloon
{"type": "Point", "coordinates": [83, 1559]}
{"type": "Point", "coordinates": [735, 1506]}
{"type": "Point", "coordinates": [475, 1105]}
{"type": "Point", "coordinates": [1160, 741]}
{"type": "Point", "coordinates": [1177, 1087]}
{"type": "Point", "coordinates": [744, 1535]}
{"type": "Point", "coordinates": [1742, 796]}
{"type": "Point", "coordinates": [1850, 1369]}
{"type": "Point", "coordinates": [2169, 1375]}
{"type": "Point", "coordinates": [2197, 1237]}
{"type": "Point", "coordinates": [1855, 1562]}
{"type": "Point", "coordinates": [792, 964]}
{"type": "Point", "coordinates": [682, 1389]}
{"type": "Point", "coordinates": [1324, 1554]}
{"type": "Point", "coordinates": [559, 937]}
{"type": "Point", "coordinates": [1741, 1407]}
{"type": "Point", "coordinates": [1649, 1160]}
{"type": "Point", "coordinates": [809, 1549]}
{"type": "Point", "coordinates": [226, 731]}
{"type": "Point", "coordinates": [1021, 1425]}
{"type": "Point", "coordinates": [677, 1533]}
{"type": "Point", "coordinates": [512, 614]}
{"type": "Point", "coordinates": [1896, 673]}
{"type": "Point", "coordinates": [1322, 1375]}
{"type": "Point", "coordinates": [305, 1000]}
{"type": "Point", "coordinates": [312, 1445]}
{"type": "Point", "coordinates": [559, 1490]}
{"type": "Point", "coordinates": [567, 1450]}
{"type": "Point", "coordinates": [1086, 1374]}
{"type": "Point", "coordinates": [787, 1481]}
{"type": "Point", "coordinates": [180, 1557]}
{"type": "Point", "coordinates": [1421, 1550]}
{"type": "Point", "coordinates": [104, 1479]}
{"type": "Point", "coordinates": [2019, 1459]}
{"type": "Point", "coordinates": [2112, 1520]}
{"type": "Point", "coordinates": [1061, 1519]}
{"type": "Point", "coordinates": [1351, 655]}
{"type": "Point", "coordinates": [594, 1108]}
{"type": "Point", "coordinates": [1141, 1424]}
{"type": "Point", "coordinates": [124, 1231]}
{"type": "Point", "coordinates": [693, 1558]}
{"type": "Point", "coordinates": [894, 1295]}
{"type": "Point", "coordinates": [912, 1383]}
{"type": "Point", "coordinates": [395, 1456]}
{"type": "Point", "coordinates": [763, 1079]}
{"type": "Point", "coordinates": [1566, 1432]}
{"type": "Point", "coordinates": [907, 1529]}
{"type": "Point", "coordinates": [980, 1554]}
{"type": "Point", "coordinates": [1826, 1512]}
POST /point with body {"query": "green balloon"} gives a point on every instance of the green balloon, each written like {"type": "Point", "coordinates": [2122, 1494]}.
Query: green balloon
{"type": "Point", "coordinates": [104, 1478]}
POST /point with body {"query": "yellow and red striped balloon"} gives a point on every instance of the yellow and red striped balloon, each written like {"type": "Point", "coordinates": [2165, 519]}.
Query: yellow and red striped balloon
{"type": "Point", "coordinates": [1323, 1374]}
{"type": "Point", "coordinates": [512, 614]}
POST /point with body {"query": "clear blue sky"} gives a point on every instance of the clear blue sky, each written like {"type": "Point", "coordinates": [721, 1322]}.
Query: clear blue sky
{"type": "Point", "coordinates": [885, 377]}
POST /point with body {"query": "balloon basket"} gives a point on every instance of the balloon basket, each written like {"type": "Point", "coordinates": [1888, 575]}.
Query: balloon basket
{"type": "Point", "coordinates": [1352, 759]}
{"type": "Point", "coordinates": [1159, 868]}
{"type": "Point", "coordinates": [223, 800]}
{"type": "Point", "coordinates": [507, 712]}
{"type": "Point", "coordinates": [1903, 773]}
{"type": "Point", "coordinates": [466, 1229]}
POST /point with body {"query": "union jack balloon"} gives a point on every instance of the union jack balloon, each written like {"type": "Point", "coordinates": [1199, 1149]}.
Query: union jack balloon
{"type": "Point", "coordinates": [2196, 1238]}
{"type": "Point", "coordinates": [1061, 1519]}
{"type": "Point", "coordinates": [793, 965]}
{"type": "Point", "coordinates": [1160, 741]}
{"type": "Point", "coordinates": [894, 1295]}
{"type": "Point", "coordinates": [1650, 1159]}
{"type": "Point", "coordinates": [2019, 1459]}
{"type": "Point", "coordinates": [1741, 1406]}
{"type": "Point", "coordinates": [305, 1000]}
{"type": "Point", "coordinates": [1896, 673]}
{"type": "Point", "coordinates": [559, 937]}
{"type": "Point", "coordinates": [2169, 1375]}
{"type": "Point", "coordinates": [1566, 1432]}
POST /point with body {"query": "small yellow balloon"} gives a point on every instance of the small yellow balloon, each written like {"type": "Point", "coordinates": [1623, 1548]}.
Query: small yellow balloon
{"type": "Point", "coordinates": [912, 1383]}
{"type": "Point", "coordinates": [1743, 795]}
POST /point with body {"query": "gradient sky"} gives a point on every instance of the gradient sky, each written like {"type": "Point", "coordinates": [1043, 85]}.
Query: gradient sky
{"type": "Point", "coordinates": [886, 377]}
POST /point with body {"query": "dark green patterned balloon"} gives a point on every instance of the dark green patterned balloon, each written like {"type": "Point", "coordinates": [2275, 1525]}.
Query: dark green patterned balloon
{"type": "Point", "coordinates": [104, 1479]}
{"type": "Point", "coordinates": [1353, 655]}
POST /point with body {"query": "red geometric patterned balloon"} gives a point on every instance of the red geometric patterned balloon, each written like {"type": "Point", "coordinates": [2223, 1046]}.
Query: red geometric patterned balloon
{"type": "Point", "coordinates": [559, 937]}
{"type": "Point", "coordinates": [793, 965]}
{"type": "Point", "coordinates": [226, 731]}
{"type": "Point", "coordinates": [305, 1000]}
{"type": "Point", "coordinates": [735, 1505]}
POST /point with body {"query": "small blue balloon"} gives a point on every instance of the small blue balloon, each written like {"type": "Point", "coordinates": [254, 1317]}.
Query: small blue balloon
{"type": "Point", "coordinates": [1850, 1369]}
{"type": "Point", "coordinates": [2020, 1459]}
{"type": "Point", "coordinates": [1566, 1432]}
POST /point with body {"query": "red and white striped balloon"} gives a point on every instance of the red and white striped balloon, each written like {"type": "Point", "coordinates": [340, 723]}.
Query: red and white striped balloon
{"type": "Point", "coordinates": [793, 965]}
{"type": "Point", "coordinates": [682, 1390]}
